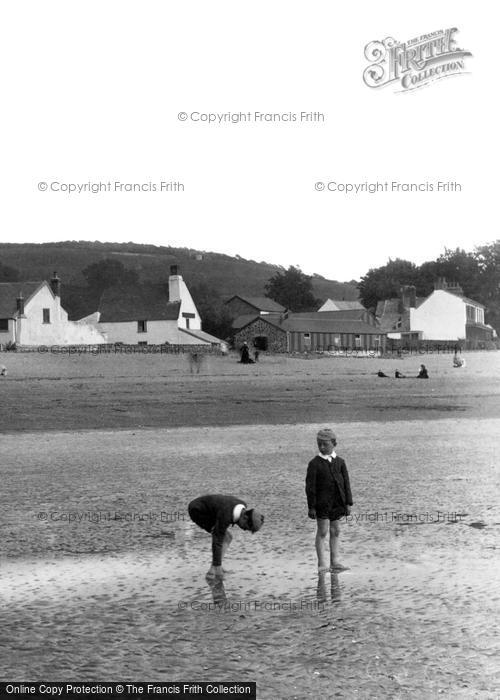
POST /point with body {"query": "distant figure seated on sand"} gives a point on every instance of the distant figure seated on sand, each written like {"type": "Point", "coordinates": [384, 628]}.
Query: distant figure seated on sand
{"type": "Point", "coordinates": [422, 373]}
{"type": "Point", "coordinates": [215, 513]}
{"type": "Point", "coordinates": [245, 355]}
{"type": "Point", "coordinates": [458, 361]}
{"type": "Point", "coordinates": [381, 374]}
{"type": "Point", "coordinates": [399, 375]}
{"type": "Point", "coordinates": [3, 371]}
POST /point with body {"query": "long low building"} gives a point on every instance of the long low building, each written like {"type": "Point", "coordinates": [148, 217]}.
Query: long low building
{"type": "Point", "coordinates": [308, 332]}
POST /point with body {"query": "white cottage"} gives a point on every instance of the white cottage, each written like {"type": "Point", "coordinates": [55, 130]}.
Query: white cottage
{"type": "Point", "coordinates": [445, 315]}
{"type": "Point", "coordinates": [146, 316]}
{"type": "Point", "coordinates": [31, 314]}
{"type": "Point", "coordinates": [448, 315]}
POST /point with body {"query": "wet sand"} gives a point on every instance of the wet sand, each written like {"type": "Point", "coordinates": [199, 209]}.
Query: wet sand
{"type": "Point", "coordinates": [126, 598]}
{"type": "Point", "coordinates": [53, 392]}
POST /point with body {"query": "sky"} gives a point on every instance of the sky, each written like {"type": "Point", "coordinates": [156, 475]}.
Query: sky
{"type": "Point", "coordinates": [111, 100]}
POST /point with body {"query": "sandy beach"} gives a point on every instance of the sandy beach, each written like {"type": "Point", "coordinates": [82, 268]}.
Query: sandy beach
{"type": "Point", "coordinates": [63, 392]}
{"type": "Point", "coordinates": [102, 572]}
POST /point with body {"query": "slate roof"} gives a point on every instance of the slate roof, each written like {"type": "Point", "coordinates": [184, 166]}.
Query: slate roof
{"type": "Point", "coordinates": [244, 320]}
{"type": "Point", "coordinates": [389, 315]}
{"type": "Point", "coordinates": [140, 304]}
{"type": "Point", "coordinates": [9, 291]}
{"type": "Point", "coordinates": [465, 299]}
{"type": "Point", "coordinates": [328, 325]}
{"type": "Point", "coordinates": [260, 303]}
{"type": "Point", "coordinates": [360, 314]}
{"type": "Point", "coordinates": [201, 335]}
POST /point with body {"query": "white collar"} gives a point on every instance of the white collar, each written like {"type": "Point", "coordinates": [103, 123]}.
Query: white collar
{"type": "Point", "coordinates": [328, 458]}
{"type": "Point", "coordinates": [237, 510]}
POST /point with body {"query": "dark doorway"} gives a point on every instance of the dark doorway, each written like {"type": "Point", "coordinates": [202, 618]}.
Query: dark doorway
{"type": "Point", "coordinates": [260, 342]}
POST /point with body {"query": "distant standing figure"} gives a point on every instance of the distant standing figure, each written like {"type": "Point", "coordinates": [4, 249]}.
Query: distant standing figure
{"type": "Point", "coordinates": [215, 513]}
{"type": "Point", "coordinates": [329, 497]}
{"type": "Point", "coordinates": [245, 355]}
{"type": "Point", "coordinates": [195, 360]}
{"type": "Point", "coordinates": [422, 373]}
{"type": "Point", "coordinates": [3, 371]}
{"type": "Point", "coordinates": [256, 355]}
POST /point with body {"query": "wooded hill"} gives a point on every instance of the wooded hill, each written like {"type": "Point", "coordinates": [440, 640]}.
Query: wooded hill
{"type": "Point", "coordinates": [223, 275]}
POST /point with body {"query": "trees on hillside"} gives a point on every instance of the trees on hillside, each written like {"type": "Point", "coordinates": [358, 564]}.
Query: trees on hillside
{"type": "Point", "coordinates": [488, 260]}
{"type": "Point", "coordinates": [385, 282]}
{"type": "Point", "coordinates": [109, 273]}
{"type": "Point", "coordinates": [8, 274]}
{"type": "Point", "coordinates": [215, 318]}
{"type": "Point", "coordinates": [293, 290]}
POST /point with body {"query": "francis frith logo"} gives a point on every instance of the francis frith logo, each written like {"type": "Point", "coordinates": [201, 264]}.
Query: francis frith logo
{"type": "Point", "coordinates": [414, 63]}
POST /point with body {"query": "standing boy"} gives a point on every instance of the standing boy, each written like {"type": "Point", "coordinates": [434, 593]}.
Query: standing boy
{"type": "Point", "coordinates": [328, 497]}
{"type": "Point", "coordinates": [215, 513]}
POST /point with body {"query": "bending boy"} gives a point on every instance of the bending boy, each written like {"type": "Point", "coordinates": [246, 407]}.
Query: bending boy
{"type": "Point", "coordinates": [215, 513]}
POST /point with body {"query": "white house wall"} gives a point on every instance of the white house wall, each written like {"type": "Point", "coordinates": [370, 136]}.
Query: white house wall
{"type": "Point", "coordinates": [440, 317]}
{"type": "Point", "coordinates": [178, 291]}
{"type": "Point", "coordinates": [81, 334]}
{"type": "Point", "coordinates": [31, 330]}
{"type": "Point", "coordinates": [9, 335]}
{"type": "Point", "coordinates": [157, 333]}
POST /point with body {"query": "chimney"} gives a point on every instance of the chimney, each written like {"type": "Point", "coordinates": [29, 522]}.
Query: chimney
{"type": "Point", "coordinates": [55, 285]}
{"type": "Point", "coordinates": [174, 284]}
{"type": "Point", "coordinates": [20, 304]}
{"type": "Point", "coordinates": [440, 283]}
{"type": "Point", "coordinates": [409, 296]}
{"type": "Point", "coordinates": [455, 288]}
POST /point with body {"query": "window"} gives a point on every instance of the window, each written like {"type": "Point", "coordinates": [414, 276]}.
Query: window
{"type": "Point", "coordinates": [357, 341]}
{"type": "Point", "coordinates": [187, 316]}
{"type": "Point", "coordinates": [46, 315]}
{"type": "Point", "coordinates": [336, 339]}
{"type": "Point", "coordinates": [142, 326]}
{"type": "Point", "coordinates": [4, 324]}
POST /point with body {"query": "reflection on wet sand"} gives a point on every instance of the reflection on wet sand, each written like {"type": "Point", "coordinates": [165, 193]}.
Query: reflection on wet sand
{"type": "Point", "coordinates": [217, 590]}
{"type": "Point", "coordinates": [322, 589]}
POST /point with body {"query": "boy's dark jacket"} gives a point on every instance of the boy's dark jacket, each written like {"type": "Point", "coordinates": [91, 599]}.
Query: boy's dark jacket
{"type": "Point", "coordinates": [320, 479]}
{"type": "Point", "coordinates": [217, 512]}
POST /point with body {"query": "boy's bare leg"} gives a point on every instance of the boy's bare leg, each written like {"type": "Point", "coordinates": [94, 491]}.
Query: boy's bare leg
{"type": "Point", "coordinates": [335, 565]}
{"type": "Point", "coordinates": [321, 534]}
